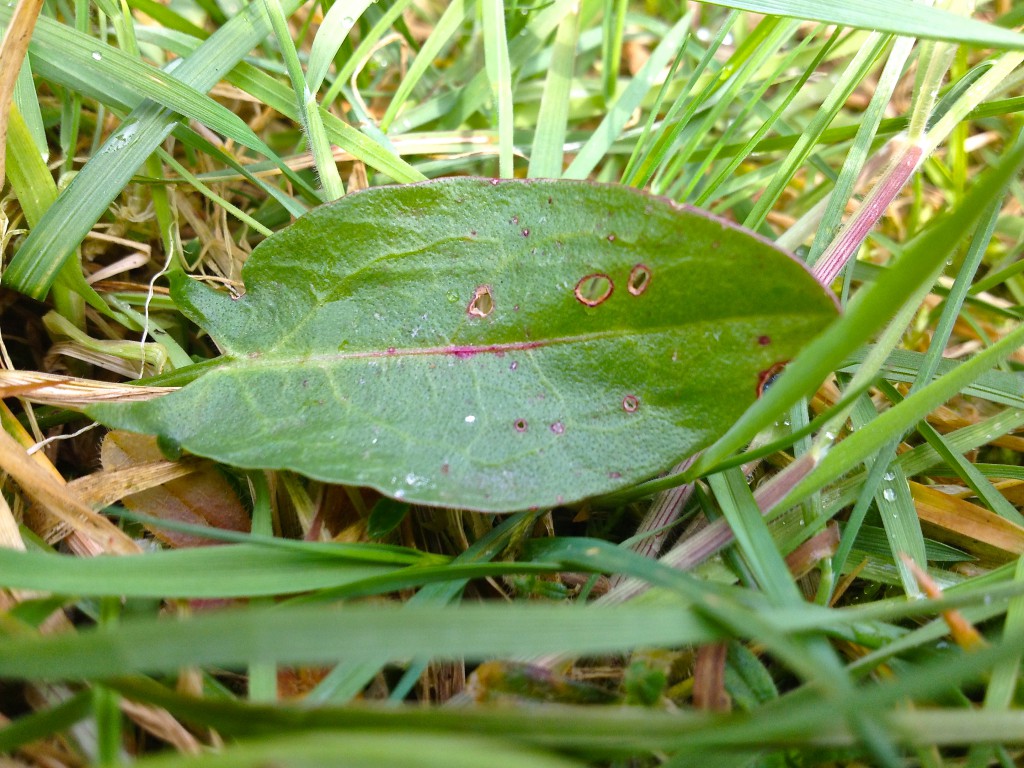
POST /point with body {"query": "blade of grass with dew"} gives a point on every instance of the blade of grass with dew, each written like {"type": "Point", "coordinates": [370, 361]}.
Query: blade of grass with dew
{"type": "Point", "coordinates": [402, 747]}
{"type": "Point", "coordinates": [851, 451]}
{"type": "Point", "coordinates": [642, 161]}
{"type": "Point", "coordinates": [309, 634]}
{"type": "Point", "coordinates": [452, 18]}
{"type": "Point", "coordinates": [846, 83]}
{"type": "Point", "coordinates": [28, 104]}
{"type": "Point", "coordinates": [367, 45]}
{"type": "Point", "coordinates": [80, 205]}
{"type": "Point", "coordinates": [1002, 683]}
{"type": "Point", "coordinates": [457, 107]}
{"type": "Point", "coordinates": [204, 190]}
{"type": "Point", "coordinates": [334, 29]}
{"type": "Point", "coordinates": [309, 112]}
{"type": "Point", "coordinates": [612, 28]}
{"type": "Point", "coordinates": [346, 680]}
{"type": "Point", "coordinates": [684, 187]}
{"type": "Point", "coordinates": [859, 150]}
{"type": "Point", "coordinates": [606, 134]}
{"type": "Point", "coordinates": [599, 730]}
{"type": "Point", "coordinates": [717, 94]}
{"type": "Point", "coordinates": [869, 309]}
{"type": "Point", "coordinates": [547, 154]}
{"type": "Point", "coordinates": [499, 74]}
{"type": "Point", "coordinates": [899, 17]}
{"type": "Point", "coordinates": [752, 536]}
{"type": "Point", "coordinates": [95, 60]}
{"type": "Point", "coordinates": [994, 386]}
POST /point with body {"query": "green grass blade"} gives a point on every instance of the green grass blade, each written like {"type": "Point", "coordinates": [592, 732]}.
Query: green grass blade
{"type": "Point", "coordinates": [900, 17]}
{"type": "Point", "coordinates": [865, 314]}
{"type": "Point", "coordinates": [546, 158]}
{"type": "Point", "coordinates": [605, 135]}
{"type": "Point", "coordinates": [334, 29]}
{"type": "Point", "coordinates": [452, 18]}
{"type": "Point", "coordinates": [44, 252]}
{"type": "Point", "coordinates": [499, 73]}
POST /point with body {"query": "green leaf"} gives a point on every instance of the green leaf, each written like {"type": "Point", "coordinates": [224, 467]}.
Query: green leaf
{"type": "Point", "coordinates": [487, 345]}
{"type": "Point", "coordinates": [902, 17]}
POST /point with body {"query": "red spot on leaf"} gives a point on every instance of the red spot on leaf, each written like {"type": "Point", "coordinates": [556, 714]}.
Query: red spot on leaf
{"type": "Point", "coordinates": [764, 341]}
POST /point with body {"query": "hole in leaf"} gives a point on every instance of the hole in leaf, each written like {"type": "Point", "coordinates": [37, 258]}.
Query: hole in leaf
{"type": "Point", "coordinates": [639, 279]}
{"type": "Point", "coordinates": [630, 403]}
{"type": "Point", "coordinates": [482, 304]}
{"type": "Point", "coordinates": [520, 425]}
{"type": "Point", "coordinates": [594, 289]}
{"type": "Point", "coordinates": [526, 233]}
{"type": "Point", "coordinates": [768, 376]}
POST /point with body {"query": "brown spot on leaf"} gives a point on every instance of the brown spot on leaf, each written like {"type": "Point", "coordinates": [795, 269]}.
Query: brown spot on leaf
{"type": "Point", "coordinates": [594, 289]}
{"type": "Point", "coordinates": [768, 375]}
{"type": "Point", "coordinates": [639, 279]}
{"type": "Point", "coordinates": [482, 303]}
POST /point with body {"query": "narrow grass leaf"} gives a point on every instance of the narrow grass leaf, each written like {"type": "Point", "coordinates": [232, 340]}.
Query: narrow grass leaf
{"type": "Point", "coordinates": [546, 157]}
{"type": "Point", "coordinates": [901, 17]}
{"type": "Point", "coordinates": [612, 124]}
{"type": "Point", "coordinates": [869, 309]}
{"type": "Point", "coordinates": [39, 260]}
{"type": "Point", "coordinates": [367, 749]}
{"type": "Point", "coordinates": [304, 634]}
{"type": "Point", "coordinates": [499, 73]}
{"type": "Point", "coordinates": [334, 29]}
{"type": "Point", "coordinates": [452, 18]}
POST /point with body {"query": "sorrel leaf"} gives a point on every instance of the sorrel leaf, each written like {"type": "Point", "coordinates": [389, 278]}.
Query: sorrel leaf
{"type": "Point", "coordinates": [487, 345]}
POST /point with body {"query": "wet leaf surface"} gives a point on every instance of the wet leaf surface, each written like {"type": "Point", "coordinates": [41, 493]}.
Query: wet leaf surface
{"type": "Point", "coordinates": [487, 345]}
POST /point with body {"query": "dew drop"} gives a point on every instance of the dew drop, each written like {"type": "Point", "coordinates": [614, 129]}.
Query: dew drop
{"type": "Point", "coordinates": [594, 289]}
{"type": "Point", "coordinates": [97, 56]}
{"type": "Point", "coordinates": [558, 428]}
{"type": "Point", "coordinates": [470, 419]}
{"type": "Point", "coordinates": [630, 403]}
{"type": "Point", "coordinates": [513, 365]}
{"type": "Point", "coordinates": [889, 494]}
{"type": "Point", "coordinates": [452, 296]}
{"type": "Point", "coordinates": [889, 477]}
